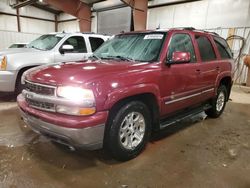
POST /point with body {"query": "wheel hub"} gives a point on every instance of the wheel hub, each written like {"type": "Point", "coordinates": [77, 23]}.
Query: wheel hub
{"type": "Point", "coordinates": [132, 130]}
{"type": "Point", "coordinates": [220, 101]}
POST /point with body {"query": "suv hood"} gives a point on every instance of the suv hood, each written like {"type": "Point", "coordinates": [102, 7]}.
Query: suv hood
{"type": "Point", "coordinates": [78, 73]}
{"type": "Point", "coordinates": [17, 51]}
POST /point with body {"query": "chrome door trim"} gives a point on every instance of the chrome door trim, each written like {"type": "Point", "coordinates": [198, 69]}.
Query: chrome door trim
{"type": "Point", "coordinates": [189, 96]}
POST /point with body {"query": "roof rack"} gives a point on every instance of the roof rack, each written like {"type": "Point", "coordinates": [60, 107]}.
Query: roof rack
{"type": "Point", "coordinates": [87, 32]}
{"type": "Point", "coordinates": [193, 29]}
{"type": "Point", "coordinates": [189, 28]}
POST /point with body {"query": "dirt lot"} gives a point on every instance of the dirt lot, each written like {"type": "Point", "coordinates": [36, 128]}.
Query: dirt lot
{"type": "Point", "coordinates": [198, 152]}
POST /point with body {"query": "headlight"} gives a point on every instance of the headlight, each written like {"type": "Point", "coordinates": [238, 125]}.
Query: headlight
{"type": "Point", "coordinates": [75, 94]}
{"type": "Point", "coordinates": [81, 97]}
{"type": "Point", "coordinates": [3, 65]}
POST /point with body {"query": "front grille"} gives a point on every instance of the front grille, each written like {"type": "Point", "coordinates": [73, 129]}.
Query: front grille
{"type": "Point", "coordinates": [39, 88]}
{"type": "Point", "coordinates": [41, 105]}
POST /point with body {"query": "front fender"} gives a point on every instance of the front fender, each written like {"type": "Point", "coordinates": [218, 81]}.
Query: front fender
{"type": "Point", "coordinates": [18, 61]}
{"type": "Point", "coordinates": [129, 91]}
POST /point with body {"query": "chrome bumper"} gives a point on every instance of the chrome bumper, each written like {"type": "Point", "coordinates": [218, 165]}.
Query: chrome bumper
{"type": "Point", "coordinates": [90, 138]}
{"type": "Point", "coordinates": [7, 81]}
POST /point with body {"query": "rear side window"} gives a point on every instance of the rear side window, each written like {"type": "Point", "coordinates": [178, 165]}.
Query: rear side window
{"type": "Point", "coordinates": [95, 42]}
{"type": "Point", "coordinates": [205, 47]}
{"type": "Point", "coordinates": [181, 43]}
{"type": "Point", "coordinates": [223, 48]}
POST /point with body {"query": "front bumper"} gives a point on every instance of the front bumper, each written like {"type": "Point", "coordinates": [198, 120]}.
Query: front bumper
{"type": "Point", "coordinates": [74, 133]}
{"type": "Point", "coordinates": [7, 81]}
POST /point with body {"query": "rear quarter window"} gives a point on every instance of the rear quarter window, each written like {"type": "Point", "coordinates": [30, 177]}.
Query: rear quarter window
{"type": "Point", "coordinates": [223, 48]}
{"type": "Point", "coordinates": [205, 47]}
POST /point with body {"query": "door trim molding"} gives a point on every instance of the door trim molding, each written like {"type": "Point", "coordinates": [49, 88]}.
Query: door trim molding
{"type": "Point", "coordinates": [189, 96]}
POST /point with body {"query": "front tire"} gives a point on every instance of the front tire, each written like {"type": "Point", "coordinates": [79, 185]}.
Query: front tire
{"type": "Point", "coordinates": [128, 131]}
{"type": "Point", "coordinates": [218, 103]}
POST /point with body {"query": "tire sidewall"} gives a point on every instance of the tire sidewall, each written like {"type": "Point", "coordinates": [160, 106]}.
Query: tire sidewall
{"type": "Point", "coordinates": [116, 147]}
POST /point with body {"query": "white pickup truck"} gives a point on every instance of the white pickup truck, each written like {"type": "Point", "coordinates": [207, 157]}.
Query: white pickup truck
{"type": "Point", "coordinates": [49, 48]}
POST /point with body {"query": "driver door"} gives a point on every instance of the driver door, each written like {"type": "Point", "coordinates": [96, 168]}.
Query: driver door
{"type": "Point", "coordinates": [77, 54]}
{"type": "Point", "coordinates": [180, 81]}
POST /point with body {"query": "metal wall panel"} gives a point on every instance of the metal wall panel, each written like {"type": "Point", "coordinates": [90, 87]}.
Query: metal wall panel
{"type": "Point", "coordinates": [107, 4]}
{"type": "Point", "coordinates": [162, 17]}
{"type": "Point", "coordinates": [202, 14]}
{"type": "Point", "coordinates": [70, 26]}
{"type": "Point", "coordinates": [29, 11]}
{"type": "Point", "coordinates": [4, 7]}
{"type": "Point", "coordinates": [36, 26]}
{"type": "Point", "coordinates": [157, 2]}
{"type": "Point", "coordinates": [8, 23]}
{"type": "Point", "coordinates": [64, 16]}
{"type": "Point", "coordinates": [228, 13]}
{"type": "Point", "coordinates": [10, 37]}
{"type": "Point", "coordinates": [191, 14]}
{"type": "Point", "coordinates": [114, 21]}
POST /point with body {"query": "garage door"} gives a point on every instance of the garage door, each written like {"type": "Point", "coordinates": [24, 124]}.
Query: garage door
{"type": "Point", "coordinates": [114, 21]}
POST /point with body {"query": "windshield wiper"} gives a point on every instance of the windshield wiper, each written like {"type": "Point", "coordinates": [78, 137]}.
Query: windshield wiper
{"type": "Point", "coordinates": [122, 58]}
{"type": "Point", "coordinates": [97, 57]}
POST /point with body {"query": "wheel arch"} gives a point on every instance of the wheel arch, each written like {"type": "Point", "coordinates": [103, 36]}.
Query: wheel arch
{"type": "Point", "coordinates": [149, 99]}
{"type": "Point", "coordinates": [227, 82]}
{"type": "Point", "coordinates": [20, 73]}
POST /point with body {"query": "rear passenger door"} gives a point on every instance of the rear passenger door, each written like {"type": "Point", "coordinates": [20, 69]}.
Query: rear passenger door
{"type": "Point", "coordinates": [209, 65]}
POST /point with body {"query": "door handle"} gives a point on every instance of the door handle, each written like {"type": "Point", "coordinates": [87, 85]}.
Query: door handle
{"type": "Point", "coordinates": [217, 68]}
{"type": "Point", "coordinates": [198, 71]}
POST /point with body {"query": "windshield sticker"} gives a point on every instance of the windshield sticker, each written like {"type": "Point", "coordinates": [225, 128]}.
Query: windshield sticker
{"type": "Point", "coordinates": [153, 36]}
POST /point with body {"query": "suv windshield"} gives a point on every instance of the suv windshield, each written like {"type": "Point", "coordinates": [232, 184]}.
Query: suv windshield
{"type": "Point", "coordinates": [45, 42]}
{"type": "Point", "coordinates": [132, 47]}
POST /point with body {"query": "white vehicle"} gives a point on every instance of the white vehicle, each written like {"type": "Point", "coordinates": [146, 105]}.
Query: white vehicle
{"type": "Point", "coordinates": [49, 48]}
{"type": "Point", "coordinates": [18, 45]}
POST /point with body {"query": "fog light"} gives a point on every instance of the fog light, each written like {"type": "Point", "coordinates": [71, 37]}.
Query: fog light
{"type": "Point", "coordinates": [70, 110]}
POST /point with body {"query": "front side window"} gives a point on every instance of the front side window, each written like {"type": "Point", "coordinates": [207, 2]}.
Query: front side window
{"type": "Point", "coordinates": [45, 42]}
{"type": "Point", "coordinates": [78, 43]}
{"type": "Point", "coordinates": [205, 47]}
{"type": "Point", "coordinates": [134, 47]}
{"type": "Point", "coordinates": [181, 43]}
{"type": "Point", "coordinates": [223, 48]}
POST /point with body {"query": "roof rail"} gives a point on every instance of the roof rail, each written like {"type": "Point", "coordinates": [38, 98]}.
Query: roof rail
{"type": "Point", "coordinates": [87, 32]}
{"type": "Point", "coordinates": [192, 29]}
{"type": "Point", "coordinates": [189, 28]}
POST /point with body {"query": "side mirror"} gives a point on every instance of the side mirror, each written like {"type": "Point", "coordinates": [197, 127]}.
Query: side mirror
{"type": "Point", "coordinates": [66, 48]}
{"type": "Point", "coordinates": [180, 57]}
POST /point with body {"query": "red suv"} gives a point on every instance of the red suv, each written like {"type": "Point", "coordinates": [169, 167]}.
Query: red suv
{"type": "Point", "coordinates": [134, 84]}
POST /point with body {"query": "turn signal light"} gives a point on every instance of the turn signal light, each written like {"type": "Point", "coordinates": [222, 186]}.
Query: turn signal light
{"type": "Point", "coordinates": [77, 111]}
{"type": "Point", "coordinates": [86, 111]}
{"type": "Point", "coordinates": [3, 63]}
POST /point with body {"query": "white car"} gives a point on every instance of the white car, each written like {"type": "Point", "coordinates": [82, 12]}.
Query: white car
{"type": "Point", "coordinates": [18, 45]}
{"type": "Point", "coordinates": [47, 49]}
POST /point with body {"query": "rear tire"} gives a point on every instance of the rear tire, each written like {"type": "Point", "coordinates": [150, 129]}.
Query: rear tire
{"type": "Point", "coordinates": [218, 103]}
{"type": "Point", "coordinates": [128, 131]}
